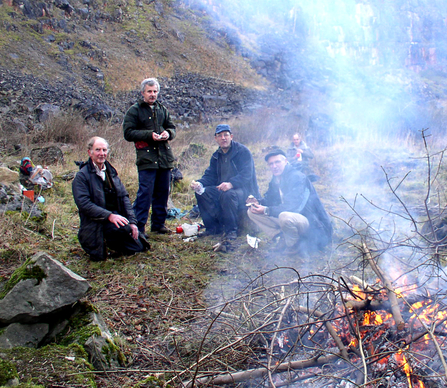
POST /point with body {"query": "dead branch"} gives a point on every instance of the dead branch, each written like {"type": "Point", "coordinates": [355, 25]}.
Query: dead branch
{"type": "Point", "coordinates": [238, 377]}
{"type": "Point", "coordinates": [400, 324]}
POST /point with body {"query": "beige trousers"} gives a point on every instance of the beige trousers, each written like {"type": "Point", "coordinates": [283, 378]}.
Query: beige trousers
{"type": "Point", "coordinates": [293, 225]}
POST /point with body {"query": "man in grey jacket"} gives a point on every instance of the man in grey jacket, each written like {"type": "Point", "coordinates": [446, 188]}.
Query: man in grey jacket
{"type": "Point", "coordinates": [291, 209]}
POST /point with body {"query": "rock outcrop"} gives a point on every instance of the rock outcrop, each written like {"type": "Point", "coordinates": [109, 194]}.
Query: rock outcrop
{"type": "Point", "coordinates": [41, 304]}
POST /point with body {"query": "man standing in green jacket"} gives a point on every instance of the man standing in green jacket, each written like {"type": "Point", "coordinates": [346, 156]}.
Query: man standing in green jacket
{"type": "Point", "coordinates": [148, 124]}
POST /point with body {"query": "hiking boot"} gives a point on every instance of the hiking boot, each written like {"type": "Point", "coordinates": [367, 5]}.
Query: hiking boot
{"type": "Point", "coordinates": [162, 230]}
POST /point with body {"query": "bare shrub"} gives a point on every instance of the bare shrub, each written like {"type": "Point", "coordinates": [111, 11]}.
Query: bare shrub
{"type": "Point", "coordinates": [66, 127]}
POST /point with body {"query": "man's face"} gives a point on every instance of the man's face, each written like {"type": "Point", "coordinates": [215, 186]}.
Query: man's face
{"type": "Point", "coordinates": [224, 140]}
{"type": "Point", "coordinates": [150, 94]}
{"type": "Point", "coordinates": [296, 140]}
{"type": "Point", "coordinates": [277, 163]}
{"type": "Point", "coordinates": [98, 153]}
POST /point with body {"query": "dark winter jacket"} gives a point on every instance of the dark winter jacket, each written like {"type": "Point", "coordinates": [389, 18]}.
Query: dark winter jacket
{"type": "Point", "coordinates": [140, 122]}
{"type": "Point", "coordinates": [244, 174]}
{"type": "Point", "coordinates": [299, 196]}
{"type": "Point", "coordinates": [88, 193]}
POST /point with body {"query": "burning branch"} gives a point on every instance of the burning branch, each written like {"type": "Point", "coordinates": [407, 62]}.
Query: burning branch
{"type": "Point", "coordinates": [400, 324]}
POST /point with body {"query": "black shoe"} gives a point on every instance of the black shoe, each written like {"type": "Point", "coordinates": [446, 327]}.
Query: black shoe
{"type": "Point", "coordinates": [162, 230]}
{"type": "Point", "coordinates": [145, 242]}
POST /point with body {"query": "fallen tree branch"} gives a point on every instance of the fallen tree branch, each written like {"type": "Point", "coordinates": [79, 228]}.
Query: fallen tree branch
{"type": "Point", "coordinates": [232, 378]}
{"type": "Point", "coordinates": [394, 305]}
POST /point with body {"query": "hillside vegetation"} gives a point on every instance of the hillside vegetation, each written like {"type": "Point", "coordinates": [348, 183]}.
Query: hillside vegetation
{"type": "Point", "coordinates": [124, 41]}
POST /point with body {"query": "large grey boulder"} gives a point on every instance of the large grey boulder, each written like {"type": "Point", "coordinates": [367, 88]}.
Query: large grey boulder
{"type": "Point", "coordinates": [42, 285]}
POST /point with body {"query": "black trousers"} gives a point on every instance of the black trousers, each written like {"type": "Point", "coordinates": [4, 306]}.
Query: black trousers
{"type": "Point", "coordinates": [220, 209]}
{"type": "Point", "coordinates": [121, 240]}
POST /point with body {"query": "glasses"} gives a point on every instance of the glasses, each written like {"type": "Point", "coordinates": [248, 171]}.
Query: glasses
{"type": "Point", "coordinates": [225, 134]}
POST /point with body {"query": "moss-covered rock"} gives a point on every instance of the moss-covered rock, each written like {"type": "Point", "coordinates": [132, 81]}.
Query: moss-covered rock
{"type": "Point", "coordinates": [88, 329]}
{"type": "Point", "coordinates": [26, 271]}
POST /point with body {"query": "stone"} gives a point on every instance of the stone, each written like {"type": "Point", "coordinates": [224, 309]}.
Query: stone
{"type": "Point", "coordinates": [8, 176]}
{"type": "Point", "coordinates": [46, 111]}
{"type": "Point", "coordinates": [47, 155]}
{"type": "Point", "coordinates": [42, 285]}
{"type": "Point", "coordinates": [27, 335]}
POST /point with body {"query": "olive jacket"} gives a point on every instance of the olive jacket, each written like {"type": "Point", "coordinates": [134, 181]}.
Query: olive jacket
{"type": "Point", "coordinates": [139, 123]}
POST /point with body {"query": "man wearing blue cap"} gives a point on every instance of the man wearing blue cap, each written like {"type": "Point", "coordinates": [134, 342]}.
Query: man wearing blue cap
{"type": "Point", "coordinates": [226, 183]}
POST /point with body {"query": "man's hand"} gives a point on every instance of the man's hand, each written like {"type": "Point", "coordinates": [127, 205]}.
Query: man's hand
{"type": "Point", "coordinates": [118, 220]}
{"type": "Point", "coordinates": [251, 201]}
{"type": "Point", "coordinates": [160, 137]}
{"type": "Point", "coordinates": [257, 209]}
{"type": "Point", "coordinates": [134, 231]}
{"type": "Point", "coordinates": [225, 186]}
{"type": "Point", "coordinates": [195, 185]}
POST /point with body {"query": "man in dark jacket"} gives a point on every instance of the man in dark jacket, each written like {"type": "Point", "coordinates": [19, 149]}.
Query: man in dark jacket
{"type": "Point", "coordinates": [291, 208]}
{"type": "Point", "coordinates": [106, 214]}
{"type": "Point", "coordinates": [226, 183]}
{"type": "Point", "coordinates": [148, 124]}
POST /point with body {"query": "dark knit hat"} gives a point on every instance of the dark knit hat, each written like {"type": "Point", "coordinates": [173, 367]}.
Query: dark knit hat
{"type": "Point", "coordinates": [222, 128]}
{"type": "Point", "coordinates": [276, 151]}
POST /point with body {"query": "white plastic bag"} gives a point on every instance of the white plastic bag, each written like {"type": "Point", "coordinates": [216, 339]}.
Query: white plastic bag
{"type": "Point", "coordinates": [190, 230]}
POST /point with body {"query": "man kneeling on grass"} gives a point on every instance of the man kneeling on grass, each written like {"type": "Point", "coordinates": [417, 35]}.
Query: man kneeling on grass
{"type": "Point", "coordinates": [107, 218]}
{"type": "Point", "coordinates": [291, 209]}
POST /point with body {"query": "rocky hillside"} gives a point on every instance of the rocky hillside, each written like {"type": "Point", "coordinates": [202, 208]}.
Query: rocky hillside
{"type": "Point", "coordinates": [339, 71]}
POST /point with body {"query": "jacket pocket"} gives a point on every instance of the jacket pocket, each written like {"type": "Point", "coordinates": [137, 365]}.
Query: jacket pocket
{"type": "Point", "coordinates": [147, 156]}
{"type": "Point", "coordinates": [169, 154]}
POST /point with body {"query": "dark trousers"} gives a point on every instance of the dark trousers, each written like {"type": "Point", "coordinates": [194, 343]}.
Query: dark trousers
{"type": "Point", "coordinates": [121, 240]}
{"type": "Point", "coordinates": [219, 209]}
{"type": "Point", "coordinates": [153, 190]}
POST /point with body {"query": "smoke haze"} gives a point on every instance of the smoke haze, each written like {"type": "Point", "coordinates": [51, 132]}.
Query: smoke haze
{"type": "Point", "coordinates": [377, 67]}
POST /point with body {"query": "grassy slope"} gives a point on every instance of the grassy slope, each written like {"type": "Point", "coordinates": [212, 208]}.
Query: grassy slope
{"type": "Point", "coordinates": [143, 43]}
{"type": "Point", "coordinates": [154, 301]}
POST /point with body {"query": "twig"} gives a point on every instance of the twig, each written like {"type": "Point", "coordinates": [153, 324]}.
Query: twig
{"type": "Point", "coordinates": [52, 229]}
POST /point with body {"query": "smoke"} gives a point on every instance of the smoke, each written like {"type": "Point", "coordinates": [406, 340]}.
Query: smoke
{"type": "Point", "coordinates": [366, 70]}
{"type": "Point", "coordinates": [372, 67]}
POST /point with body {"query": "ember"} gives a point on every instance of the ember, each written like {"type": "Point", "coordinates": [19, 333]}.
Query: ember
{"type": "Point", "coordinates": [321, 332]}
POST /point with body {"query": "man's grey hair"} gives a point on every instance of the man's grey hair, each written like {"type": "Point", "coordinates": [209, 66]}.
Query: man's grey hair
{"type": "Point", "coordinates": [150, 82]}
{"type": "Point", "coordinates": [94, 139]}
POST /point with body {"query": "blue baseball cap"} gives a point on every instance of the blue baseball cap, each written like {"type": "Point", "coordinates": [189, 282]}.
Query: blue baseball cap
{"type": "Point", "coordinates": [222, 128]}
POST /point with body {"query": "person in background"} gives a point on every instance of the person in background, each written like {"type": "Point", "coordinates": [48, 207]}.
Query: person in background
{"type": "Point", "coordinates": [148, 124]}
{"type": "Point", "coordinates": [228, 180]}
{"type": "Point", "coordinates": [105, 211]}
{"type": "Point", "coordinates": [291, 209]}
{"type": "Point", "coordinates": [299, 154]}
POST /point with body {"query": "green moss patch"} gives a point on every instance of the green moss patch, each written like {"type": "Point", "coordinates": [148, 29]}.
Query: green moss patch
{"type": "Point", "coordinates": [27, 271]}
{"type": "Point", "coordinates": [50, 365]}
